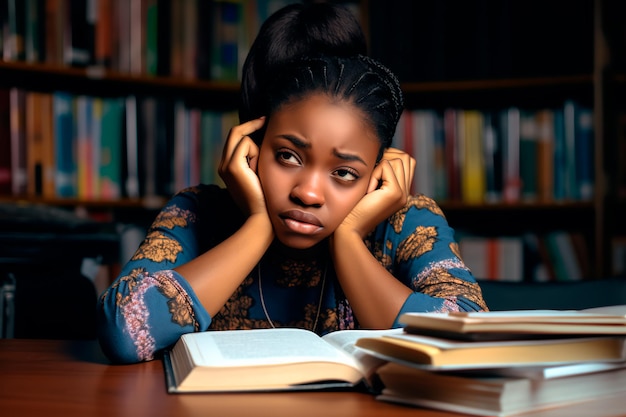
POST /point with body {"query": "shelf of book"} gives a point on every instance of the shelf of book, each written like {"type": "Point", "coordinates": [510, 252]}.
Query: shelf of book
{"type": "Point", "coordinates": [99, 81]}
{"type": "Point", "coordinates": [510, 84]}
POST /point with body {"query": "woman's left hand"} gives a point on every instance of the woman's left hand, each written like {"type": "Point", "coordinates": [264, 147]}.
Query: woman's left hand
{"type": "Point", "coordinates": [388, 190]}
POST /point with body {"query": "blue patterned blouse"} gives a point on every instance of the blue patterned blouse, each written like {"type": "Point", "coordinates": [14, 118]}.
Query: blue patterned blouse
{"type": "Point", "coordinates": [150, 305]}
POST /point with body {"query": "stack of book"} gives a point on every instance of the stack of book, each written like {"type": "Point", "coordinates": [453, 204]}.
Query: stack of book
{"type": "Point", "coordinates": [492, 363]}
{"type": "Point", "coordinates": [503, 363]}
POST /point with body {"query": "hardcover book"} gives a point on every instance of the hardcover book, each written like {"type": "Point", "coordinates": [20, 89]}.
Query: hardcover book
{"type": "Point", "coordinates": [281, 359]}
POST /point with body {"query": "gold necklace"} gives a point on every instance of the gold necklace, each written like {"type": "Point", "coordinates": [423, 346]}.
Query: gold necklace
{"type": "Point", "coordinates": [319, 304]}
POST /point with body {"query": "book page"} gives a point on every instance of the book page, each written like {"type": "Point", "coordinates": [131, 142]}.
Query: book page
{"type": "Point", "coordinates": [346, 340]}
{"type": "Point", "coordinates": [260, 347]}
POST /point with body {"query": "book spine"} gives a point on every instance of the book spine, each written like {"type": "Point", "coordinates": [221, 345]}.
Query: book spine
{"type": "Point", "coordinates": [55, 23]}
{"type": "Point", "coordinates": [545, 154]}
{"type": "Point", "coordinates": [19, 175]}
{"type": "Point", "coordinates": [14, 49]}
{"type": "Point", "coordinates": [34, 144]}
{"type": "Point", "coordinates": [152, 36]}
{"type": "Point", "coordinates": [452, 153]}
{"type": "Point", "coordinates": [84, 147]}
{"type": "Point", "coordinates": [528, 156]}
{"type": "Point", "coordinates": [569, 120]}
{"type": "Point", "coordinates": [104, 33]}
{"type": "Point", "coordinates": [584, 151]}
{"type": "Point", "coordinates": [492, 149]}
{"type": "Point", "coordinates": [65, 179]}
{"type": "Point", "coordinates": [227, 19]}
{"type": "Point", "coordinates": [511, 181]}
{"type": "Point", "coordinates": [423, 151]}
{"type": "Point", "coordinates": [5, 142]}
{"type": "Point", "coordinates": [473, 171]}
{"type": "Point", "coordinates": [33, 40]}
{"type": "Point", "coordinates": [137, 37]}
{"type": "Point", "coordinates": [121, 59]}
{"type": "Point", "coordinates": [111, 148]}
{"type": "Point", "coordinates": [48, 168]}
{"type": "Point", "coordinates": [95, 134]}
{"type": "Point", "coordinates": [132, 148]}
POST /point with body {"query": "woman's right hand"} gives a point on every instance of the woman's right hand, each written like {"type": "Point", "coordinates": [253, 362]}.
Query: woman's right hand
{"type": "Point", "coordinates": [238, 167]}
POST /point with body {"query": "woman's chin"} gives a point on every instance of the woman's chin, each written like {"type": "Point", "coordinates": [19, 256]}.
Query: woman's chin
{"type": "Point", "coordinates": [299, 242]}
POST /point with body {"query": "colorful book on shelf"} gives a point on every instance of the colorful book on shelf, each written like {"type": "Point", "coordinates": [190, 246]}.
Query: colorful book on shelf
{"type": "Point", "coordinates": [34, 13]}
{"type": "Point", "coordinates": [499, 394]}
{"type": "Point", "coordinates": [560, 156]}
{"type": "Point", "coordinates": [211, 146]}
{"type": "Point", "coordinates": [511, 183]}
{"type": "Point", "coordinates": [584, 149]}
{"type": "Point", "coordinates": [473, 181]}
{"type": "Point", "coordinates": [5, 142]}
{"type": "Point", "coordinates": [137, 40]}
{"type": "Point", "coordinates": [528, 156]}
{"type": "Point", "coordinates": [65, 178]}
{"type": "Point", "coordinates": [227, 19]}
{"type": "Point", "coordinates": [494, 258]}
{"type": "Point", "coordinates": [56, 15]}
{"type": "Point", "coordinates": [104, 33]}
{"type": "Point", "coordinates": [84, 147]}
{"type": "Point", "coordinates": [423, 149]}
{"type": "Point", "coordinates": [545, 154]}
{"type": "Point", "coordinates": [19, 174]}
{"type": "Point", "coordinates": [34, 144]}
{"type": "Point", "coordinates": [48, 145]}
{"type": "Point", "coordinates": [14, 45]}
{"type": "Point", "coordinates": [452, 154]}
{"type": "Point", "coordinates": [152, 10]}
{"type": "Point", "coordinates": [132, 181]}
{"type": "Point", "coordinates": [564, 256]}
{"type": "Point", "coordinates": [281, 359]}
{"type": "Point", "coordinates": [493, 156]}
{"type": "Point", "coordinates": [111, 134]}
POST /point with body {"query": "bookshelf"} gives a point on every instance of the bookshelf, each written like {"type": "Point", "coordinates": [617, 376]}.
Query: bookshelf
{"type": "Point", "coordinates": [494, 78]}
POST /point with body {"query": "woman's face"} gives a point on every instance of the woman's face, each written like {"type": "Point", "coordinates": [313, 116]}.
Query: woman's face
{"type": "Point", "coordinates": [315, 165]}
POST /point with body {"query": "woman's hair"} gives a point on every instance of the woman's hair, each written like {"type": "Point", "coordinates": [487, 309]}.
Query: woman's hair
{"type": "Point", "coordinates": [358, 80]}
{"type": "Point", "coordinates": [296, 30]}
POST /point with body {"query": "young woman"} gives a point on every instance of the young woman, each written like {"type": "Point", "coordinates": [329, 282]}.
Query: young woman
{"type": "Point", "coordinates": [315, 228]}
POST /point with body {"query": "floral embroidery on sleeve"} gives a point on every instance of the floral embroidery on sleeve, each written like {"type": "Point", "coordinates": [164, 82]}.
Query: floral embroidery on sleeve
{"type": "Point", "coordinates": [417, 243]}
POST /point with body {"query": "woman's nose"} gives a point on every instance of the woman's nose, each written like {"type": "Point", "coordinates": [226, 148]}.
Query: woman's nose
{"type": "Point", "coordinates": [309, 190]}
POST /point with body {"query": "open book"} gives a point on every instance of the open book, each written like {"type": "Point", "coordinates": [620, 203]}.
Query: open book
{"type": "Point", "coordinates": [270, 360]}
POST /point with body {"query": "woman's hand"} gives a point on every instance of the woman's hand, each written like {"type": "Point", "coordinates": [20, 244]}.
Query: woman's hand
{"type": "Point", "coordinates": [388, 190]}
{"type": "Point", "coordinates": [238, 167]}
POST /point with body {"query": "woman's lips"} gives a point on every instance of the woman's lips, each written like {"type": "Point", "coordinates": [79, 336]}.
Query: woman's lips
{"type": "Point", "coordinates": [301, 222]}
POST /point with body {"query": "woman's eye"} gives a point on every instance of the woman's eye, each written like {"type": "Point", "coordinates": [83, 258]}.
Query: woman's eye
{"type": "Point", "coordinates": [287, 157]}
{"type": "Point", "coordinates": [347, 175]}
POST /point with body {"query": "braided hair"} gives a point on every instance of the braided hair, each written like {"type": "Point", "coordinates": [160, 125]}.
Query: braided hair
{"type": "Point", "coordinates": [358, 80]}
{"type": "Point", "coordinates": [294, 31]}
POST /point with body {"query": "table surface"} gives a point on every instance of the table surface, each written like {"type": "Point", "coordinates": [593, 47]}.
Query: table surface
{"type": "Point", "coordinates": [72, 378]}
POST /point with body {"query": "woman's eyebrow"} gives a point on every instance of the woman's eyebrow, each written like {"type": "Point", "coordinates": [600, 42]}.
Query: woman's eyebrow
{"type": "Point", "coordinates": [348, 157]}
{"type": "Point", "coordinates": [302, 144]}
{"type": "Point", "coordinates": [299, 143]}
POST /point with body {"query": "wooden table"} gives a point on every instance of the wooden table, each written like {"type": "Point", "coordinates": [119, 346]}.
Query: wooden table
{"type": "Point", "coordinates": [72, 378]}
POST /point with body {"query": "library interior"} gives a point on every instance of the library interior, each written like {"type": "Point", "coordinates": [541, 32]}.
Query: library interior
{"type": "Point", "coordinates": [515, 112]}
